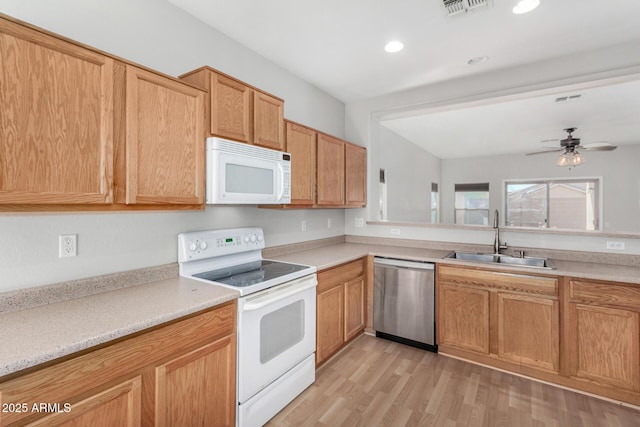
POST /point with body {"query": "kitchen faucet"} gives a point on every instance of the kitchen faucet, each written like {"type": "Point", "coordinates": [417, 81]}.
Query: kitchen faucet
{"type": "Point", "coordinates": [496, 242]}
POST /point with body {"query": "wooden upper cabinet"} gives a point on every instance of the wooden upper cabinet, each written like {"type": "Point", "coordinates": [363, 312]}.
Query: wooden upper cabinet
{"type": "Point", "coordinates": [230, 108]}
{"type": "Point", "coordinates": [239, 111]}
{"type": "Point", "coordinates": [164, 140]}
{"type": "Point", "coordinates": [301, 143]}
{"type": "Point", "coordinates": [56, 120]}
{"type": "Point", "coordinates": [355, 175]}
{"type": "Point", "coordinates": [268, 121]}
{"type": "Point", "coordinates": [330, 171]}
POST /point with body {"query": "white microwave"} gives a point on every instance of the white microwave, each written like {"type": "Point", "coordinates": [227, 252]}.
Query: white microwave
{"type": "Point", "coordinates": [240, 173]}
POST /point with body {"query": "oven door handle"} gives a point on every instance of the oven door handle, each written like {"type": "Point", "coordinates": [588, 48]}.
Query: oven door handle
{"type": "Point", "coordinates": [278, 295]}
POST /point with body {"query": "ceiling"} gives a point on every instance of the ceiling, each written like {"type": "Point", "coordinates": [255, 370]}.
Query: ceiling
{"type": "Point", "coordinates": [606, 113]}
{"type": "Point", "coordinates": [337, 45]}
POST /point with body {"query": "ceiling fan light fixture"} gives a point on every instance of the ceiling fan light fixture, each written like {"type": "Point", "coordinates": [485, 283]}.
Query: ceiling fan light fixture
{"type": "Point", "coordinates": [563, 160]}
{"type": "Point", "coordinates": [525, 6]}
{"type": "Point", "coordinates": [577, 159]}
{"type": "Point", "coordinates": [570, 158]}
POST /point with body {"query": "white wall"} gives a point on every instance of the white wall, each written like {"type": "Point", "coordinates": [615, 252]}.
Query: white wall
{"type": "Point", "coordinates": [619, 169]}
{"type": "Point", "coordinates": [158, 35]}
{"type": "Point", "coordinates": [362, 124]}
{"type": "Point", "coordinates": [410, 170]}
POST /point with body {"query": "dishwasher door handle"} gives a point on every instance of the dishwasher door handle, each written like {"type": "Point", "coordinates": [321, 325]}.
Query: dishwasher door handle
{"type": "Point", "coordinates": [403, 264]}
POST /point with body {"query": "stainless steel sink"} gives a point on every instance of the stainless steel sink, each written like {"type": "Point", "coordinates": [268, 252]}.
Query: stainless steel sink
{"type": "Point", "coordinates": [502, 259]}
{"type": "Point", "coordinates": [470, 256]}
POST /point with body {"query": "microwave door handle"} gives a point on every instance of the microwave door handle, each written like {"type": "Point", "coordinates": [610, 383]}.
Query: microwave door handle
{"type": "Point", "coordinates": [280, 181]}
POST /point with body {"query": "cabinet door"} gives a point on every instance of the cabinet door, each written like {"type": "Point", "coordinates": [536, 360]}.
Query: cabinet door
{"type": "Point", "coordinates": [165, 143]}
{"type": "Point", "coordinates": [355, 175]}
{"type": "Point", "coordinates": [354, 291]}
{"type": "Point", "coordinates": [268, 121]}
{"type": "Point", "coordinates": [198, 388]}
{"type": "Point", "coordinates": [301, 143]}
{"type": "Point", "coordinates": [330, 171]}
{"type": "Point", "coordinates": [116, 406]}
{"type": "Point", "coordinates": [528, 330]}
{"type": "Point", "coordinates": [56, 120]}
{"type": "Point", "coordinates": [330, 322]}
{"type": "Point", "coordinates": [463, 318]}
{"type": "Point", "coordinates": [230, 108]}
{"type": "Point", "coordinates": [608, 345]}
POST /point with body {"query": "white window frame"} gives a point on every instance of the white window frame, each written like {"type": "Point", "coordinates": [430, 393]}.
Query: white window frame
{"type": "Point", "coordinates": [600, 180]}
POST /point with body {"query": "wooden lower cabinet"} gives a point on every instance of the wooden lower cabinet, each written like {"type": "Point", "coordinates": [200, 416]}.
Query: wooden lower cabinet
{"type": "Point", "coordinates": [330, 321]}
{"type": "Point", "coordinates": [578, 333]}
{"type": "Point", "coordinates": [602, 330]}
{"type": "Point", "coordinates": [179, 374]}
{"type": "Point", "coordinates": [528, 330]}
{"type": "Point", "coordinates": [511, 318]}
{"type": "Point", "coordinates": [116, 406]}
{"type": "Point", "coordinates": [340, 307]}
{"type": "Point", "coordinates": [354, 307]}
{"type": "Point", "coordinates": [464, 317]}
{"type": "Point", "coordinates": [186, 394]}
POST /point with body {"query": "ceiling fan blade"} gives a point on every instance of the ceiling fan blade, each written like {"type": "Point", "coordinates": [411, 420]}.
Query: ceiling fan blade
{"type": "Point", "coordinates": [546, 151]}
{"type": "Point", "coordinates": [600, 148]}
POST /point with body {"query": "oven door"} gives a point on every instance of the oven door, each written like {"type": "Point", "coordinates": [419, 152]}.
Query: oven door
{"type": "Point", "coordinates": [276, 331]}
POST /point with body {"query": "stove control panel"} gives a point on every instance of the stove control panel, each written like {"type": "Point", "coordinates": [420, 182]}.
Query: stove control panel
{"type": "Point", "coordinates": [197, 245]}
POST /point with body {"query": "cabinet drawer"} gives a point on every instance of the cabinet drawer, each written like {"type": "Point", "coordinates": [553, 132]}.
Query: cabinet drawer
{"type": "Point", "coordinates": [340, 274]}
{"type": "Point", "coordinates": [608, 293]}
{"type": "Point", "coordinates": [499, 280]}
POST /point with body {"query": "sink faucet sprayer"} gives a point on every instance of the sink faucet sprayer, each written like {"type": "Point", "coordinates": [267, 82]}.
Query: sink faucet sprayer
{"type": "Point", "coordinates": [496, 243]}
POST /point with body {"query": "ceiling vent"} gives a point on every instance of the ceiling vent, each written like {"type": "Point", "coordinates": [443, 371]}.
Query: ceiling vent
{"type": "Point", "coordinates": [461, 7]}
{"type": "Point", "coordinates": [568, 98]}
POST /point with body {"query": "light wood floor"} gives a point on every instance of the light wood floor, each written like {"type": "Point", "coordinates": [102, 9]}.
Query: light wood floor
{"type": "Point", "coordinates": [378, 382]}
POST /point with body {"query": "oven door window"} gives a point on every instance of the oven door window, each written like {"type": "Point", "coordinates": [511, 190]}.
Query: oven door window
{"type": "Point", "coordinates": [280, 330]}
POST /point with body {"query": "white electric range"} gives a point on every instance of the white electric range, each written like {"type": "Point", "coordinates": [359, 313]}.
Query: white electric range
{"type": "Point", "coordinates": [276, 316]}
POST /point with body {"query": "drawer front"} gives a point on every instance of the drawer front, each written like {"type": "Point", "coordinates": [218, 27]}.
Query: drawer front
{"type": "Point", "coordinates": [607, 293]}
{"type": "Point", "coordinates": [342, 273]}
{"type": "Point", "coordinates": [499, 280]}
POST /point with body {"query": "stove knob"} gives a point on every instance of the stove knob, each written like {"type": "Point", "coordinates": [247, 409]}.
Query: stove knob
{"type": "Point", "coordinates": [203, 245]}
{"type": "Point", "coordinates": [259, 237]}
{"type": "Point", "coordinates": [253, 238]}
{"type": "Point", "coordinates": [193, 246]}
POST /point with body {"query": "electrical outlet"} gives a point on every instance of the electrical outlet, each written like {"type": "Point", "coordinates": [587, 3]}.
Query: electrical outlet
{"type": "Point", "coordinates": [67, 245]}
{"type": "Point", "coordinates": [395, 231]}
{"type": "Point", "coordinates": [304, 225]}
{"type": "Point", "coordinates": [619, 246]}
{"type": "Point", "coordinates": [359, 222]}
{"type": "Point", "coordinates": [329, 223]}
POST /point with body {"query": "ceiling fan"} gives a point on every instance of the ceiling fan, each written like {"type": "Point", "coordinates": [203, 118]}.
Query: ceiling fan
{"type": "Point", "coordinates": [569, 147]}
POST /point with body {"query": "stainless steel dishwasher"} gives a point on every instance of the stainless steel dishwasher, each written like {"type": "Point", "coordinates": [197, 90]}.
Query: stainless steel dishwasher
{"type": "Point", "coordinates": [403, 302]}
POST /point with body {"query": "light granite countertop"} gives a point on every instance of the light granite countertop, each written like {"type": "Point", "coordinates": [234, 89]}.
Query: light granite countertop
{"type": "Point", "coordinates": [330, 256]}
{"type": "Point", "coordinates": [36, 335]}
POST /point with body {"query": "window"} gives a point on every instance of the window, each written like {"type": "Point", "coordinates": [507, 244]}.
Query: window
{"type": "Point", "coordinates": [472, 204]}
{"type": "Point", "coordinates": [435, 200]}
{"type": "Point", "coordinates": [556, 203]}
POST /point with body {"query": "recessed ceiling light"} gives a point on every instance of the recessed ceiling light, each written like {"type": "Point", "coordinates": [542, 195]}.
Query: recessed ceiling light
{"type": "Point", "coordinates": [394, 46]}
{"type": "Point", "coordinates": [477, 60]}
{"type": "Point", "coordinates": [524, 6]}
